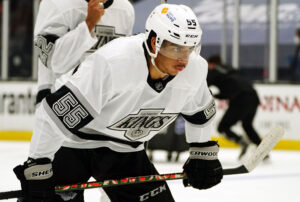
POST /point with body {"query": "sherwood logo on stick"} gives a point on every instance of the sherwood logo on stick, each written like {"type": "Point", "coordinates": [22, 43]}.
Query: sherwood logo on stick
{"type": "Point", "coordinates": [137, 126]}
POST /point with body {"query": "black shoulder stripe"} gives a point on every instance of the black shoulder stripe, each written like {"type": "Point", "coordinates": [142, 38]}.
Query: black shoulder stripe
{"type": "Point", "coordinates": [203, 116]}
{"type": "Point", "coordinates": [42, 94]}
{"type": "Point", "coordinates": [68, 109]}
{"type": "Point", "coordinates": [44, 45]}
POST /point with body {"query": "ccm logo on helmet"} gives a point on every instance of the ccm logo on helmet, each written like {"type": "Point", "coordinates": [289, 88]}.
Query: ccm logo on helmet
{"type": "Point", "coordinates": [192, 35]}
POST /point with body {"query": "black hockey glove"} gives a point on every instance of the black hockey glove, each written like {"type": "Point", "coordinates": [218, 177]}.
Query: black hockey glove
{"type": "Point", "coordinates": [203, 169]}
{"type": "Point", "coordinates": [36, 178]}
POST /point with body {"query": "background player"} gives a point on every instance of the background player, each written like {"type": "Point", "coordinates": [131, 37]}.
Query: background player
{"type": "Point", "coordinates": [67, 31]}
{"type": "Point", "coordinates": [243, 102]}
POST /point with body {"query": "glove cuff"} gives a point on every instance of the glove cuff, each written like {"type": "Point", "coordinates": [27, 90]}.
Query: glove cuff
{"type": "Point", "coordinates": [38, 169]}
{"type": "Point", "coordinates": [206, 151]}
{"type": "Point", "coordinates": [203, 144]}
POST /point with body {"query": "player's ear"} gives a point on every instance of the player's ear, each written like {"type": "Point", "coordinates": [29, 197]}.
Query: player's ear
{"type": "Point", "coordinates": [153, 47]}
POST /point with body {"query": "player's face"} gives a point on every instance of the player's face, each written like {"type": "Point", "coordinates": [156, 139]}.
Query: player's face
{"type": "Point", "coordinates": [170, 66]}
{"type": "Point", "coordinates": [173, 58]}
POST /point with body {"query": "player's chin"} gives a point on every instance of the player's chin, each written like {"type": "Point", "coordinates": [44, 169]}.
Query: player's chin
{"type": "Point", "coordinates": [173, 73]}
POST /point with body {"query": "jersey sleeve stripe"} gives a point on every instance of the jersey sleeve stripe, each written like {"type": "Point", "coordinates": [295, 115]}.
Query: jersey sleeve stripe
{"type": "Point", "coordinates": [72, 111]}
{"type": "Point", "coordinates": [202, 117]}
{"type": "Point", "coordinates": [41, 94]}
{"type": "Point", "coordinates": [82, 99]}
{"type": "Point", "coordinates": [45, 45]}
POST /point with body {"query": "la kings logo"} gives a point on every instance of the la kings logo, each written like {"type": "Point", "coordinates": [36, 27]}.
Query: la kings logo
{"type": "Point", "coordinates": [137, 126]}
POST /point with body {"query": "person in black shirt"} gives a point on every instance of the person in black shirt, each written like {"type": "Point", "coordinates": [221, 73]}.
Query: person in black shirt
{"type": "Point", "coordinates": [243, 102]}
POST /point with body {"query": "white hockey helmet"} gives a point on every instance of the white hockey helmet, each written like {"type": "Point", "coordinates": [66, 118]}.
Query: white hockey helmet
{"type": "Point", "coordinates": [174, 23]}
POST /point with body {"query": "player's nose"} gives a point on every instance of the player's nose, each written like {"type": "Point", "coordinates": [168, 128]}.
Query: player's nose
{"type": "Point", "coordinates": [182, 62]}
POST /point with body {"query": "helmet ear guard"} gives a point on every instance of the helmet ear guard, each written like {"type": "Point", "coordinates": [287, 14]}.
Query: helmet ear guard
{"type": "Point", "coordinates": [148, 44]}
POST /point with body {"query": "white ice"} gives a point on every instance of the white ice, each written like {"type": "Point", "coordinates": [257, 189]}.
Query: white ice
{"type": "Point", "coordinates": [275, 181]}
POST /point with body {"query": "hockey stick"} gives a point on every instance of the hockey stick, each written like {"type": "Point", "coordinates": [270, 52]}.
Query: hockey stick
{"type": "Point", "coordinates": [267, 144]}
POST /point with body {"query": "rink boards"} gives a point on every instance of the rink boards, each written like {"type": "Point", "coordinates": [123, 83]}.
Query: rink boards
{"type": "Point", "coordinates": [279, 104]}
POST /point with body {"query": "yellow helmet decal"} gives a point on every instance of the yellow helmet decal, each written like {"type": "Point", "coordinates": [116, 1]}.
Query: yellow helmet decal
{"type": "Point", "coordinates": [164, 10]}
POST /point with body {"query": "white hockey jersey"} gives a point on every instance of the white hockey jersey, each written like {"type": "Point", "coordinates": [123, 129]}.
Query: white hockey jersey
{"type": "Point", "coordinates": [108, 102]}
{"type": "Point", "coordinates": [62, 37]}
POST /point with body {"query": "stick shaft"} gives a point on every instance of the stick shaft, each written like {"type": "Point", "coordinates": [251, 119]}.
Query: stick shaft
{"type": "Point", "coordinates": [116, 182]}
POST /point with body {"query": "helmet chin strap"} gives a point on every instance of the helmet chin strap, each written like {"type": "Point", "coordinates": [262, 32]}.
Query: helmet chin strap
{"type": "Point", "coordinates": [153, 63]}
{"type": "Point", "coordinates": [153, 56]}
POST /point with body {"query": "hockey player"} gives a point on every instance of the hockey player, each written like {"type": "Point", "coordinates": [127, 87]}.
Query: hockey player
{"type": "Point", "coordinates": [121, 96]}
{"type": "Point", "coordinates": [243, 103]}
{"type": "Point", "coordinates": [66, 31]}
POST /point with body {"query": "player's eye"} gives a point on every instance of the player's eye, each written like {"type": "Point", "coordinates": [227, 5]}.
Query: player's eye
{"type": "Point", "coordinates": [176, 49]}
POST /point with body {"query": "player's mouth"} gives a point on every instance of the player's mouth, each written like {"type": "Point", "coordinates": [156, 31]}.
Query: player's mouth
{"type": "Point", "coordinates": [179, 67]}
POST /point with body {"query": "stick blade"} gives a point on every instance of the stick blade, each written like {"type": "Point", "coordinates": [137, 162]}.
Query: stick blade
{"type": "Point", "coordinates": [264, 148]}
{"type": "Point", "coordinates": [10, 194]}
